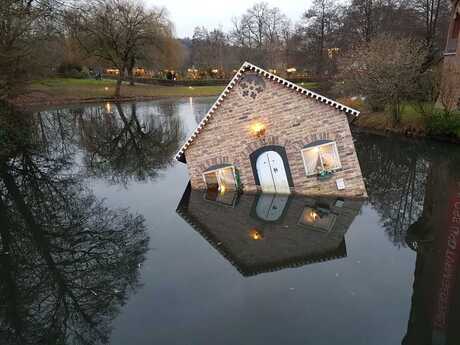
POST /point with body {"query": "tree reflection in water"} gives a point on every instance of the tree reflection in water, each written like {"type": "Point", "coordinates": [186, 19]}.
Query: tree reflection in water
{"type": "Point", "coordinates": [67, 262]}
{"type": "Point", "coordinates": [119, 146]}
{"type": "Point", "coordinates": [395, 174]}
{"type": "Point", "coordinates": [117, 142]}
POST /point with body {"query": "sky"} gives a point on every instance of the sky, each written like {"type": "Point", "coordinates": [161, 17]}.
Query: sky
{"type": "Point", "coordinates": [186, 14]}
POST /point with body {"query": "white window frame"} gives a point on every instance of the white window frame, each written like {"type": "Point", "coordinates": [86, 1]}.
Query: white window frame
{"type": "Point", "coordinates": [336, 153]}
{"type": "Point", "coordinates": [218, 177]}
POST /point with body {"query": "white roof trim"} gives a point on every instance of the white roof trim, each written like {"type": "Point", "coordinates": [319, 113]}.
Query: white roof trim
{"type": "Point", "coordinates": [270, 76]}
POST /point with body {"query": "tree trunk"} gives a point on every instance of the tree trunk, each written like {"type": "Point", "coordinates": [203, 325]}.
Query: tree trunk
{"type": "Point", "coordinates": [118, 86]}
{"type": "Point", "coordinates": [132, 62]}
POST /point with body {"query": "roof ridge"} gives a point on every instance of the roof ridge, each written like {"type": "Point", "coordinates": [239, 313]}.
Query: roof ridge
{"type": "Point", "coordinates": [245, 66]}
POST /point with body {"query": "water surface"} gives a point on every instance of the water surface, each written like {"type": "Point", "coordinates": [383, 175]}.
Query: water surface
{"type": "Point", "coordinates": [102, 242]}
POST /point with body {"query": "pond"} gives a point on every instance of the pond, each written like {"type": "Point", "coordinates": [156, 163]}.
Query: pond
{"type": "Point", "coordinates": [101, 241]}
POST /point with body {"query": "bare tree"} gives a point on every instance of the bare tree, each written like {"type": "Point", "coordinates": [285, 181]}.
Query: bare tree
{"type": "Point", "coordinates": [386, 71]}
{"type": "Point", "coordinates": [434, 15]}
{"type": "Point", "coordinates": [259, 34]}
{"type": "Point", "coordinates": [319, 24]}
{"type": "Point", "coordinates": [449, 86]}
{"type": "Point", "coordinates": [117, 31]}
{"type": "Point", "coordinates": [24, 27]}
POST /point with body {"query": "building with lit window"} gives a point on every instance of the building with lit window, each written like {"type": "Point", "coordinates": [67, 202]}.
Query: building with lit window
{"type": "Point", "coordinates": [267, 134]}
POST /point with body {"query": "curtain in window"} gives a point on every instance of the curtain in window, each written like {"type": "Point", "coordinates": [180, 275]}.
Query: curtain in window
{"type": "Point", "coordinates": [312, 160]}
{"type": "Point", "coordinates": [329, 156]}
{"type": "Point", "coordinates": [227, 179]}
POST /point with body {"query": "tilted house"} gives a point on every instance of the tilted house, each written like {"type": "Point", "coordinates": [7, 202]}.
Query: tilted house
{"type": "Point", "coordinates": [267, 134]}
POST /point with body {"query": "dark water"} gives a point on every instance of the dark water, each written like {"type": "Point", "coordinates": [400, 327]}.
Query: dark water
{"type": "Point", "coordinates": [101, 242]}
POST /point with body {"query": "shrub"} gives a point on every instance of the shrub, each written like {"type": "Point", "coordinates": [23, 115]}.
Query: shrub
{"type": "Point", "coordinates": [72, 70]}
{"type": "Point", "coordinates": [440, 125]}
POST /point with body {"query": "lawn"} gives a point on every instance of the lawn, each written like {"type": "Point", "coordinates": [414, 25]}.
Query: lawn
{"type": "Point", "coordinates": [67, 89]}
{"type": "Point", "coordinates": [62, 91]}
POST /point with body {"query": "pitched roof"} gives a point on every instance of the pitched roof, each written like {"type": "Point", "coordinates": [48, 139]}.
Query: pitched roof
{"type": "Point", "coordinates": [250, 67]}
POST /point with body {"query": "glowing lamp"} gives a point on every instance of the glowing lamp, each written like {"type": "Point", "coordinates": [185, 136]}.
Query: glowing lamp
{"type": "Point", "coordinates": [258, 129]}
{"type": "Point", "coordinates": [311, 216]}
{"type": "Point", "coordinates": [255, 234]}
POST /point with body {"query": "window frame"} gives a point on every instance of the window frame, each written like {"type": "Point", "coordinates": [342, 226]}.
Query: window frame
{"type": "Point", "coordinates": [336, 154]}
{"type": "Point", "coordinates": [218, 177]}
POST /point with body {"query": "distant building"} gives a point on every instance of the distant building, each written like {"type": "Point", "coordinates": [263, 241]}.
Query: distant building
{"type": "Point", "coordinates": [452, 54]}
{"type": "Point", "coordinates": [267, 134]}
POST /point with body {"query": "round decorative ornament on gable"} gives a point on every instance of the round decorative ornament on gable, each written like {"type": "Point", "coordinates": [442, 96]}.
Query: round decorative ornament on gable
{"type": "Point", "coordinates": [251, 85]}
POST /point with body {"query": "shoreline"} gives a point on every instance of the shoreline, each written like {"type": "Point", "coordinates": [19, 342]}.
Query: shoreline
{"type": "Point", "coordinates": [40, 105]}
{"type": "Point", "coordinates": [39, 100]}
{"type": "Point", "coordinates": [401, 134]}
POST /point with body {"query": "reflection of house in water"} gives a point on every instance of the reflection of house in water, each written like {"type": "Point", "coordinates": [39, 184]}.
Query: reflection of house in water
{"type": "Point", "coordinates": [435, 311]}
{"type": "Point", "coordinates": [263, 233]}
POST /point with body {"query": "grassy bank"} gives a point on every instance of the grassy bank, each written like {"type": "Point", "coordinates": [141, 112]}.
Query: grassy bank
{"type": "Point", "coordinates": [413, 123]}
{"type": "Point", "coordinates": [61, 91]}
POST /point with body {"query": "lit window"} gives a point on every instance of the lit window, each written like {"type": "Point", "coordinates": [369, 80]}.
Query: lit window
{"type": "Point", "coordinates": [321, 156]}
{"type": "Point", "coordinates": [221, 178]}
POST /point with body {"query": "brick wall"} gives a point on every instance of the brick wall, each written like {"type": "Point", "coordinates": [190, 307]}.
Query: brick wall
{"type": "Point", "coordinates": [292, 120]}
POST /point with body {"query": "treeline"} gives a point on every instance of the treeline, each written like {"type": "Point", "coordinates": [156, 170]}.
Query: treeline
{"type": "Point", "coordinates": [325, 32]}
{"type": "Point", "coordinates": [43, 37]}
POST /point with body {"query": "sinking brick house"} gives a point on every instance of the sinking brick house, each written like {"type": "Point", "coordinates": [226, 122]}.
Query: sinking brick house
{"type": "Point", "coordinates": [267, 134]}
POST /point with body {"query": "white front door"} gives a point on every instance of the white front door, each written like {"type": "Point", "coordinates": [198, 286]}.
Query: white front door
{"type": "Point", "coordinates": [271, 173]}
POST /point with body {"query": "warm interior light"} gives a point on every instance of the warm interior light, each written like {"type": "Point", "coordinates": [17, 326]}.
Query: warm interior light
{"type": "Point", "coordinates": [258, 129]}
{"type": "Point", "coordinates": [106, 88]}
{"type": "Point", "coordinates": [311, 216]}
{"type": "Point", "coordinates": [108, 107]}
{"type": "Point", "coordinates": [255, 234]}
{"type": "Point", "coordinates": [291, 70]}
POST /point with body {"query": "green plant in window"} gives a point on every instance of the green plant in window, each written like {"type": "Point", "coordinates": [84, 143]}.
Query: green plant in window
{"type": "Point", "coordinates": [325, 174]}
